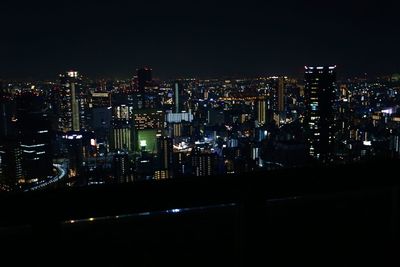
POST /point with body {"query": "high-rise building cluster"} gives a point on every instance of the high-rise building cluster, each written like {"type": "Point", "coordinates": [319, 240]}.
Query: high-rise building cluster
{"type": "Point", "coordinates": [75, 131]}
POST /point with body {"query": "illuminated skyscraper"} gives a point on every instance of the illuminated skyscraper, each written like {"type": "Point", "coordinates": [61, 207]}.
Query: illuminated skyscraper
{"type": "Point", "coordinates": [121, 135]}
{"type": "Point", "coordinates": [165, 158]}
{"type": "Point", "coordinates": [261, 112]}
{"type": "Point", "coordinates": [320, 86]}
{"type": "Point", "coordinates": [122, 112]}
{"type": "Point", "coordinates": [178, 98]}
{"type": "Point", "coordinates": [69, 111]}
{"type": "Point", "coordinates": [176, 129]}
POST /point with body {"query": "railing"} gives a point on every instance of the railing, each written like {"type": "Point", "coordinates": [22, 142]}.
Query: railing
{"type": "Point", "coordinates": [254, 218]}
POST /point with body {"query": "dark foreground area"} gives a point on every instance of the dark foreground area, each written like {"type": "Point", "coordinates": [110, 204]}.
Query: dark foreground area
{"type": "Point", "coordinates": [322, 216]}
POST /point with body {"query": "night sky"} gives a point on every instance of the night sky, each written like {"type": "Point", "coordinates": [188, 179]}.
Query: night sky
{"type": "Point", "coordinates": [40, 39]}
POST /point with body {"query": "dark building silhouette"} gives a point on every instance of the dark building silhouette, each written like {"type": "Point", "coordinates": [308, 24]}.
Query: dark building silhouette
{"type": "Point", "coordinates": [122, 167]}
{"type": "Point", "coordinates": [100, 100]}
{"type": "Point", "coordinates": [74, 141]}
{"type": "Point", "coordinates": [320, 83]}
{"type": "Point", "coordinates": [34, 137]}
{"type": "Point", "coordinates": [144, 76]}
{"type": "Point", "coordinates": [182, 164]}
{"type": "Point", "coordinates": [203, 163]}
{"type": "Point", "coordinates": [10, 164]}
{"type": "Point", "coordinates": [281, 95]}
{"type": "Point", "coordinates": [145, 166]}
{"type": "Point", "coordinates": [7, 115]}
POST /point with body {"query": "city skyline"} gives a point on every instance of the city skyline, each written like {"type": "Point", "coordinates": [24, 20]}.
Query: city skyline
{"type": "Point", "coordinates": [298, 75]}
{"type": "Point", "coordinates": [84, 132]}
{"type": "Point", "coordinates": [199, 133]}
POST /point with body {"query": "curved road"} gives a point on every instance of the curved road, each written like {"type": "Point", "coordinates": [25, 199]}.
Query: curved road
{"type": "Point", "coordinates": [60, 175]}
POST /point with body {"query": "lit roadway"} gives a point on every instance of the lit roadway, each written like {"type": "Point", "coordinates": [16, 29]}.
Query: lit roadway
{"type": "Point", "coordinates": [61, 173]}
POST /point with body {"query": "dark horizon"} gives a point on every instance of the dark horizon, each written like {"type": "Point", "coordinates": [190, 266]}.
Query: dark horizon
{"type": "Point", "coordinates": [42, 39]}
{"type": "Point", "coordinates": [160, 77]}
